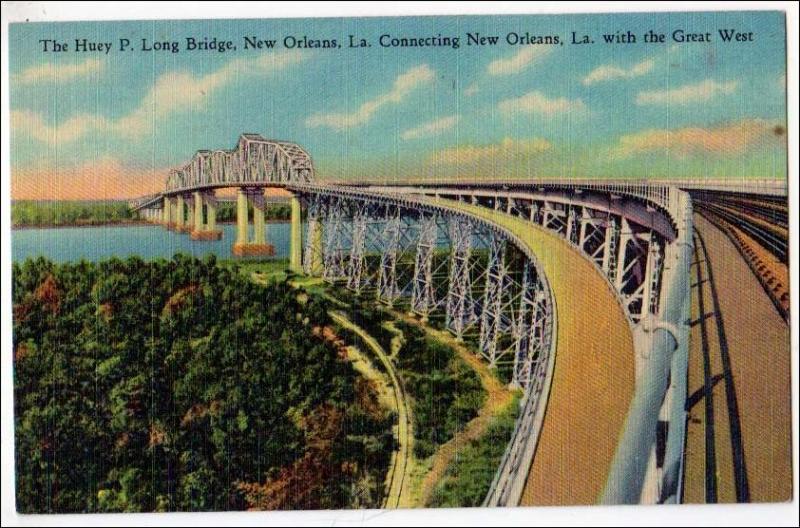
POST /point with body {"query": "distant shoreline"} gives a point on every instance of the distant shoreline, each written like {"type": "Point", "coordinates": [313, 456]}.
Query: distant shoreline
{"type": "Point", "coordinates": [125, 223]}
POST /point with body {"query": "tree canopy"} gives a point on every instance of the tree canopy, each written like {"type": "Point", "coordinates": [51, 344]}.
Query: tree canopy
{"type": "Point", "coordinates": [182, 385]}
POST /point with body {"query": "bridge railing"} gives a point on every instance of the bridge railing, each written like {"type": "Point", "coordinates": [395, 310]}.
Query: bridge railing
{"type": "Point", "coordinates": [661, 384]}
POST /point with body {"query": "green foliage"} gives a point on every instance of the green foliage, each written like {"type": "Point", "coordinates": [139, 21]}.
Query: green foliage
{"type": "Point", "coordinates": [445, 392]}
{"type": "Point", "coordinates": [158, 386]}
{"type": "Point", "coordinates": [469, 476]}
{"type": "Point", "coordinates": [58, 213]}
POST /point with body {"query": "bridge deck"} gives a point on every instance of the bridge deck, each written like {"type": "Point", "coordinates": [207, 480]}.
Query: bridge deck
{"type": "Point", "coordinates": [593, 379]}
{"type": "Point", "coordinates": [740, 414]}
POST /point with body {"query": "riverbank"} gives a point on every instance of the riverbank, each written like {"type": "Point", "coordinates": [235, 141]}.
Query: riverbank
{"type": "Point", "coordinates": [125, 223]}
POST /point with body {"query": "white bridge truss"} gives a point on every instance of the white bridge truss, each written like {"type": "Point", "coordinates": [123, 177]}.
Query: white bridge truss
{"type": "Point", "coordinates": [439, 263]}
{"type": "Point", "coordinates": [254, 161]}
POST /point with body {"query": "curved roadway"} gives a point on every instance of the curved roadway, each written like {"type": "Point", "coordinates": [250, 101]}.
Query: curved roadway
{"type": "Point", "coordinates": [593, 379]}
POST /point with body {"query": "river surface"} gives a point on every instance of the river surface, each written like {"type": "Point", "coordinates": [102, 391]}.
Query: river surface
{"type": "Point", "coordinates": [147, 241]}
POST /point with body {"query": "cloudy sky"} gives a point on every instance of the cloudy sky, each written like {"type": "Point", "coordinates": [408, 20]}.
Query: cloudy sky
{"type": "Point", "coordinates": [95, 125]}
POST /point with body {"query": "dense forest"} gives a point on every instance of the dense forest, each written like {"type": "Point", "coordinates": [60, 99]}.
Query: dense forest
{"type": "Point", "coordinates": [182, 385]}
{"type": "Point", "coordinates": [58, 213]}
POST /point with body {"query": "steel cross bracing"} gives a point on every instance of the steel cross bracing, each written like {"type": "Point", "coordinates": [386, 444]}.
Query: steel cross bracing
{"type": "Point", "coordinates": [447, 272]}
{"type": "Point", "coordinates": [338, 240]}
{"type": "Point", "coordinates": [492, 316]}
{"type": "Point", "coordinates": [534, 321]}
{"type": "Point", "coordinates": [356, 263]}
{"type": "Point", "coordinates": [388, 290]}
{"type": "Point", "coordinates": [460, 305]}
{"type": "Point", "coordinates": [423, 299]}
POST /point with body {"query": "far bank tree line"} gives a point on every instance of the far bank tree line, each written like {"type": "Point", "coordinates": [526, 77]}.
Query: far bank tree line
{"type": "Point", "coordinates": [31, 213]}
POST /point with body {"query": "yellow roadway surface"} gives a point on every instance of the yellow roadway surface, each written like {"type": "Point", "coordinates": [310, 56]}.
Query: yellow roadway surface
{"type": "Point", "coordinates": [593, 380]}
{"type": "Point", "coordinates": [738, 445]}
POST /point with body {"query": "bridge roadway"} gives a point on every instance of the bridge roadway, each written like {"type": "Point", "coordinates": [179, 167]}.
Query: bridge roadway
{"type": "Point", "coordinates": [738, 445]}
{"type": "Point", "coordinates": [593, 380]}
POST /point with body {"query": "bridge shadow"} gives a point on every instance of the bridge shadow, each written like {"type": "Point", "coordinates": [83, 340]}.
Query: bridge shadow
{"type": "Point", "coordinates": [712, 321]}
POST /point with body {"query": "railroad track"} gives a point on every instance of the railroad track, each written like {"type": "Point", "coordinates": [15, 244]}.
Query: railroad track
{"type": "Point", "coordinates": [761, 239]}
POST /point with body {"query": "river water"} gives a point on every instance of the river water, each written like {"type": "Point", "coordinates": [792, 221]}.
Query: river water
{"type": "Point", "coordinates": [147, 241]}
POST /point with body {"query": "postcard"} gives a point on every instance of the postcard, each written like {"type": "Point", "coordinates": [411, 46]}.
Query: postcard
{"type": "Point", "coordinates": [400, 262]}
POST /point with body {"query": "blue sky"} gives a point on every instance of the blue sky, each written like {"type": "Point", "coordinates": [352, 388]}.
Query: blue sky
{"type": "Point", "coordinates": [85, 123]}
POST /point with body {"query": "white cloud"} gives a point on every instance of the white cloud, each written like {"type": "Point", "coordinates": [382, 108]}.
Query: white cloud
{"type": "Point", "coordinates": [609, 72]}
{"type": "Point", "coordinates": [729, 139]}
{"type": "Point", "coordinates": [403, 85]}
{"type": "Point", "coordinates": [690, 93]}
{"type": "Point", "coordinates": [519, 61]}
{"type": "Point", "coordinates": [431, 128]}
{"type": "Point", "coordinates": [506, 150]}
{"type": "Point", "coordinates": [172, 92]}
{"type": "Point", "coordinates": [537, 103]}
{"type": "Point", "coordinates": [472, 89]}
{"type": "Point", "coordinates": [58, 73]}
{"type": "Point", "coordinates": [67, 131]}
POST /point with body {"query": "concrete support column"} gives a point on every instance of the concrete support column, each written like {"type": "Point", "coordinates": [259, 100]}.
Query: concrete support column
{"type": "Point", "coordinates": [198, 212]}
{"type": "Point", "coordinates": [205, 230]}
{"type": "Point", "coordinates": [211, 212]}
{"type": "Point", "coordinates": [296, 240]}
{"type": "Point", "coordinates": [169, 208]}
{"type": "Point", "coordinates": [189, 223]}
{"type": "Point", "coordinates": [314, 248]}
{"type": "Point", "coordinates": [241, 217]}
{"type": "Point", "coordinates": [180, 221]}
{"type": "Point", "coordinates": [259, 230]}
{"type": "Point", "coordinates": [258, 246]}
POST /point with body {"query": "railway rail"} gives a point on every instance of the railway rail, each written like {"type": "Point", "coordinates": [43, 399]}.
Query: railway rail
{"type": "Point", "coordinates": [763, 243]}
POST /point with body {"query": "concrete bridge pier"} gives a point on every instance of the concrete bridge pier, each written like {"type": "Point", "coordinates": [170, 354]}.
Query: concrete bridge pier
{"type": "Point", "coordinates": [180, 215]}
{"type": "Point", "coordinates": [296, 240]}
{"type": "Point", "coordinates": [188, 222]}
{"type": "Point", "coordinates": [170, 213]}
{"type": "Point", "coordinates": [205, 226]}
{"type": "Point", "coordinates": [257, 246]}
{"type": "Point", "coordinates": [313, 255]}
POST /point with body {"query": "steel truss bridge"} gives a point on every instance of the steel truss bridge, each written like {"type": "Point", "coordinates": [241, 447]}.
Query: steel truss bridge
{"type": "Point", "coordinates": [488, 258]}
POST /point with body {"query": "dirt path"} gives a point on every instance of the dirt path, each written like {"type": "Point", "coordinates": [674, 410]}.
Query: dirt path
{"type": "Point", "coordinates": [402, 463]}
{"type": "Point", "coordinates": [498, 397]}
